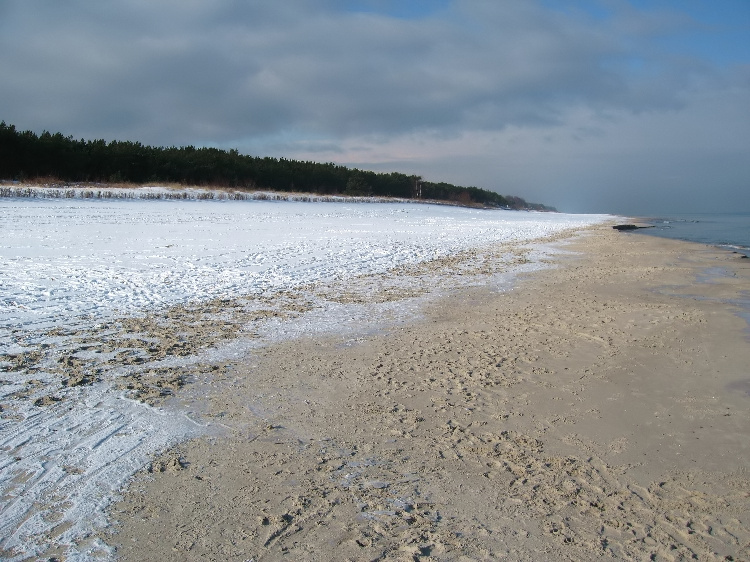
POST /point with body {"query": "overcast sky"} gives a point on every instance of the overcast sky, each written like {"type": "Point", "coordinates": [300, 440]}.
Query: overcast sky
{"type": "Point", "coordinates": [622, 106]}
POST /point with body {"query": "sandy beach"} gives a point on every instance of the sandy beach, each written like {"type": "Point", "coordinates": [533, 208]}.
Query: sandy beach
{"type": "Point", "coordinates": [600, 409]}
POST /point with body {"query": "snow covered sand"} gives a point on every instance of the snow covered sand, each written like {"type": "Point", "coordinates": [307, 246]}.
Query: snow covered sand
{"type": "Point", "coordinates": [108, 306]}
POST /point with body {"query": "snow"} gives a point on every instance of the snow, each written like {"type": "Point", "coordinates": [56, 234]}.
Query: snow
{"type": "Point", "coordinates": [68, 266]}
{"type": "Point", "coordinates": [72, 258]}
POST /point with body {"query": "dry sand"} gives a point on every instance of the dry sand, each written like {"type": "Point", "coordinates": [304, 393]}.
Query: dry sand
{"type": "Point", "coordinates": [598, 410]}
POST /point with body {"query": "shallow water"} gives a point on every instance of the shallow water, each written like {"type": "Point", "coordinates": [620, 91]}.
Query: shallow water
{"type": "Point", "coordinates": [741, 386]}
{"type": "Point", "coordinates": [729, 230]}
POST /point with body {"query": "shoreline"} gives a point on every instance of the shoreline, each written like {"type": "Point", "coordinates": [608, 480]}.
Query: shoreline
{"type": "Point", "coordinates": [722, 230]}
{"type": "Point", "coordinates": [598, 410]}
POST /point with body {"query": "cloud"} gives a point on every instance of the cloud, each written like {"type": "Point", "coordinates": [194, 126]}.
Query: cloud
{"type": "Point", "coordinates": [238, 69]}
{"type": "Point", "coordinates": [364, 81]}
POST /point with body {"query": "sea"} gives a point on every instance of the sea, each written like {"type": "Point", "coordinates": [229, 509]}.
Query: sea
{"type": "Point", "coordinates": [726, 230]}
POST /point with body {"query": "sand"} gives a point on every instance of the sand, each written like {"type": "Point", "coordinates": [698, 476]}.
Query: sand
{"type": "Point", "coordinates": [600, 409]}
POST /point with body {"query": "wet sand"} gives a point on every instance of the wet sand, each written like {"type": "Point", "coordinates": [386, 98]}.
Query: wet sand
{"type": "Point", "coordinates": [599, 410]}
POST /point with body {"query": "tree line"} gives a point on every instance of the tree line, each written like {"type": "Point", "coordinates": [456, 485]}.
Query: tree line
{"type": "Point", "coordinates": [24, 155]}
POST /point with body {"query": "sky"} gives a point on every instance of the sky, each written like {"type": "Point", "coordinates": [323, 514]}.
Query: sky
{"type": "Point", "coordinates": [620, 106]}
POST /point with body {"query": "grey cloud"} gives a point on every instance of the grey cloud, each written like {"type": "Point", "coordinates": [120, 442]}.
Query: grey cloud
{"type": "Point", "coordinates": [308, 77]}
{"type": "Point", "coordinates": [178, 72]}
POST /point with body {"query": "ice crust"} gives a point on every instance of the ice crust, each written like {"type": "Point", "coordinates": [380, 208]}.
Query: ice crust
{"type": "Point", "coordinates": [74, 263]}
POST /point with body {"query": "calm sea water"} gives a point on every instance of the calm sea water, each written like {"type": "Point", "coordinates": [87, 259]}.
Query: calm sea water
{"type": "Point", "coordinates": [730, 230]}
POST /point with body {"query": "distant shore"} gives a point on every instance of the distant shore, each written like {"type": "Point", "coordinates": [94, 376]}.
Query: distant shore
{"type": "Point", "coordinates": [598, 410]}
